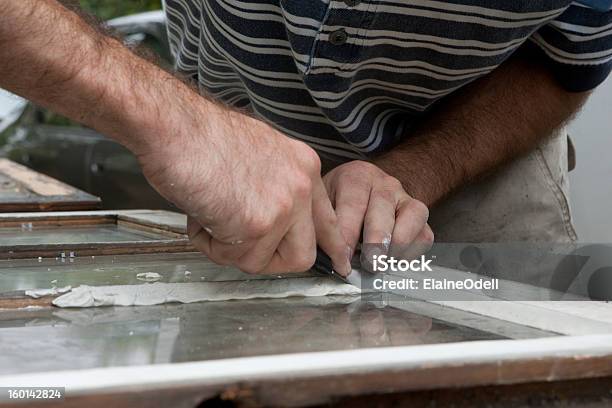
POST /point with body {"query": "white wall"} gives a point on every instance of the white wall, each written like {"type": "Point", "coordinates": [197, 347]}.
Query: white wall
{"type": "Point", "coordinates": [591, 182]}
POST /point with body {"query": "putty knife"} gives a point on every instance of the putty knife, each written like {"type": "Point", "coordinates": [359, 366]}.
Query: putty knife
{"type": "Point", "coordinates": [323, 265]}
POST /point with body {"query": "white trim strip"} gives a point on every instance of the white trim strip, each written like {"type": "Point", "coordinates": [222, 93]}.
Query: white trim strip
{"type": "Point", "coordinates": [304, 365]}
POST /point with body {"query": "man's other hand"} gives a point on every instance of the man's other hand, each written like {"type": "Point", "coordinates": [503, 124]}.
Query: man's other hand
{"type": "Point", "coordinates": [366, 198]}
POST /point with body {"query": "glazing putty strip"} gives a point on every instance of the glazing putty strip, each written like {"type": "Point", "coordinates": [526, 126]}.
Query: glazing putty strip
{"type": "Point", "coordinates": [38, 293]}
{"type": "Point", "coordinates": [159, 293]}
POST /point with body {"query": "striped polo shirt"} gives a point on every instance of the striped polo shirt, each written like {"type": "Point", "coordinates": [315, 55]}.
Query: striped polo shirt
{"type": "Point", "coordinates": [351, 77]}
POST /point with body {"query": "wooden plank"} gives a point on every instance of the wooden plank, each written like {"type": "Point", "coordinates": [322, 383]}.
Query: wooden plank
{"type": "Point", "coordinates": [98, 248]}
{"type": "Point", "coordinates": [162, 219]}
{"type": "Point", "coordinates": [21, 301]}
{"type": "Point", "coordinates": [23, 189]}
{"type": "Point", "coordinates": [162, 230]}
{"type": "Point", "coordinates": [55, 219]}
{"type": "Point", "coordinates": [36, 182]}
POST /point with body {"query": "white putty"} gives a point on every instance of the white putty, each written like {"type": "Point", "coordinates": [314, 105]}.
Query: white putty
{"type": "Point", "coordinates": [159, 293]}
{"type": "Point", "coordinates": [149, 276]}
{"type": "Point", "coordinates": [38, 293]}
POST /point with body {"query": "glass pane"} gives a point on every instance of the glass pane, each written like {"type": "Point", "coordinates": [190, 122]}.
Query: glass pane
{"type": "Point", "coordinates": [25, 274]}
{"type": "Point", "coordinates": [44, 235]}
{"type": "Point", "coordinates": [120, 336]}
{"type": "Point", "coordinates": [104, 337]}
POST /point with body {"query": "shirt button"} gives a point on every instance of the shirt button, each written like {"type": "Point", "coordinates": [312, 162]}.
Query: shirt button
{"type": "Point", "coordinates": [352, 3]}
{"type": "Point", "coordinates": [338, 37]}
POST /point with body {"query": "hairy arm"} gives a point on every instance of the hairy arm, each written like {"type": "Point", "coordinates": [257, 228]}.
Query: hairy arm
{"type": "Point", "coordinates": [202, 156]}
{"type": "Point", "coordinates": [492, 121]}
{"type": "Point", "coordinates": [48, 54]}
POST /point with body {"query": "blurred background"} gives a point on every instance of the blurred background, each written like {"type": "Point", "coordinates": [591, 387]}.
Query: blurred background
{"type": "Point", "coordinates": [107, 9]}
{"type": "Point", "coordinates": [54, 145]}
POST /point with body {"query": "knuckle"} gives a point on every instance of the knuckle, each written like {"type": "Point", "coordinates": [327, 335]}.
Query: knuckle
{"type": "Point", "coordinates": [283, 207]}
{"type": "Point", "coordinates": [357, 172]}
{"type": "Point", "coordinates": [393, 183]}
{"type": "Point", "coordinates": [362, 166]}
{"type": "Point", "coordinates": [333, 223]}
{"type": "Point", "coordinates": [424, 210]}
{"type": "Point", "coordinates": [428, 235]}
{"type": "Point", "coordinates": [258, 227]}
{"type": "Point", "coordinates": [311, 159]}
{"type": "Point", "coordinates": [303, 186]}
{"type": "Point", "coordinates": [418, 207]}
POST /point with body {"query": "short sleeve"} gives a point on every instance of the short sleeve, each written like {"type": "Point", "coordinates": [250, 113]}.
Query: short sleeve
{"type": "Point", "coordinates": [578, 44]}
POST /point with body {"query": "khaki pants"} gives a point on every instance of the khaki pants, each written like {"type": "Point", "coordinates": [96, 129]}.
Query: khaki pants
{"type": "Point", "coordinates": [526, 200]}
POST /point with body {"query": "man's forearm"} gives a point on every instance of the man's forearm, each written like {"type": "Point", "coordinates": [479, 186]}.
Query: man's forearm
{"type": "Point", "coordinates": [51, 56]}
{"type": "Point", "coordinates": [490, 122]}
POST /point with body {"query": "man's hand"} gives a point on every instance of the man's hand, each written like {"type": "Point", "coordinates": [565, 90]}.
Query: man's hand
{"type": "Point", "coordinates": [254, 197]}
{"type": "Point", "coordinates": [366, 198]}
